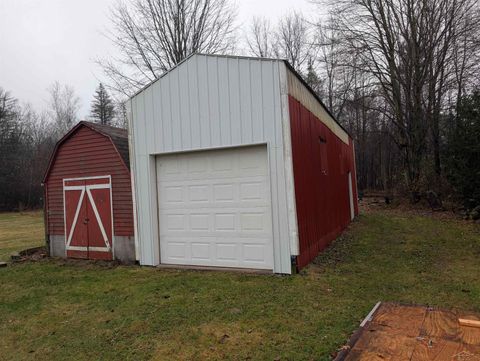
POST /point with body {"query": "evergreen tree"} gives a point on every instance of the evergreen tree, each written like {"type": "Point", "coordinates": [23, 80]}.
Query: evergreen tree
{"type": "Point", "coordinates": [103, 107]}
{"type": "Point", "coordinates": [463, 151]}
{"type": "Point", "coordinates": [312, 79]}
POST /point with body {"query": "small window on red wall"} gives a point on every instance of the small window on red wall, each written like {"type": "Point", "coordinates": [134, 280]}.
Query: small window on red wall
{"type": "Point", "coordinates": [323, 155]}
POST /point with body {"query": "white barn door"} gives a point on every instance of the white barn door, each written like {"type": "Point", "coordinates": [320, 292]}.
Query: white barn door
{"type": "Point", "coordinates": [215, 208]}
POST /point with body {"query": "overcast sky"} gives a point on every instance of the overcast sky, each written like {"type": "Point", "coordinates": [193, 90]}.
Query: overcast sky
{"type": "Point", "coordinates": [42, 41]}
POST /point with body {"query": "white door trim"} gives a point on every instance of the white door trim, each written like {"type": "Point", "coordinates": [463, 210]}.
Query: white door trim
{"type": "Point", "coordinates": [350, 195]}
{"type": "Point", "coordinates": [75, 218]}
{"type": "Point", "coordinates": [97, 216]}
{"type": "Point", "coordinates": [240, 234]}
{"type": "Point", "coordinates": [87, 189]}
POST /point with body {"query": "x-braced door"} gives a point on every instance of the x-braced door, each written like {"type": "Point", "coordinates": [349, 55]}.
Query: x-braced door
{"type": "Point", "coordinates": [88, 218]}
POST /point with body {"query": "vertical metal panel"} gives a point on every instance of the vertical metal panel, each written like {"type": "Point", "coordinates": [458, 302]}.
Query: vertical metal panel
{"type": "Point", "coordinates": [322, 196]}
{"type": "Point", "coordinates": [278, 184]}
{"type": "Point", "coordinates": [246, 101]}
{"type": "Point", "coordinates": [158, 131]}
{"type": "Point", "coordinates": [149, 117]}
{"type": "Point", "coordinates": [213, 103]}
{"type": "Point", "coordinates": [288, 163]}
{"type": "Point", "coordinates": [209, 102]}
{"type": "Point", "coordinates": [256, 92]}
{"type": "Point", "coordinates": [165, 110]}
{"type": "Point", "coordinates": [199, 73]}
{"type": "Point", "coordinates": [233, 82]}
{"type": "Point", "coordinates": [175, 103]}
{"type": "Point", "coordinates": [224, 102]}
{"type": "Point", "coordinates": [129, 106]}
{"type": "Point", "coordinates": [189, 126]}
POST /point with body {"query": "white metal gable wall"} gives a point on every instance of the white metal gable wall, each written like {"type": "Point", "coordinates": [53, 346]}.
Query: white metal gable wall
{"type": "Point", "coordinates": [213, 102]}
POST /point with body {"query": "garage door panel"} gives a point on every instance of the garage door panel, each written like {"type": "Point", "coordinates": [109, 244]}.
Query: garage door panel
{"type": "Point", "coordinates": [224, 193]}
{"type": "Point", "coordinates": [174, 194]}
{"type": "Point", "coordinates": [248, 190]}
{"type": "Point", "coordinates": [253, 222]}
{"type": "Point", "coordinates": [254, 253]}
{"type": "Point", "coordinates": [199, 222]}
{"type": "Point", "coordinates": [197, 164]}
{"type": "Point", "coordinates": [225, 222]}
{"type": "Point", "coordinates": [252, 191]}
{"type": "Point", "coordinates": [199, 193]}
{"type": "Point", "coordinates": [200, 251]}
{"type": "Point", "coordinates": [243, 222]}
{"type": "Point", "coordinates": [174, 222]}
{"type": "Point", "coordinates": [226, 252]}
{"type": "Point", "coordinates": [176, 250]}
{"type": "Point", "coordinates": [219, 252]}
{"type": "Point", "coordinates": [224, 164]}
{"type": "Point", "coordinates": [215, 209]}
{"type": "Point", "coordinates": [255, 197]}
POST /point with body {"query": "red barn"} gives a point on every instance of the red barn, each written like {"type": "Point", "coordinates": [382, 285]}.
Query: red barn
{"type": "Point", "coordinates": [88, 195]}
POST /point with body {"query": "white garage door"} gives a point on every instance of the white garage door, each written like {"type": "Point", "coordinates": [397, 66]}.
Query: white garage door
{"type": "Point", "coordinates": [214, 208]}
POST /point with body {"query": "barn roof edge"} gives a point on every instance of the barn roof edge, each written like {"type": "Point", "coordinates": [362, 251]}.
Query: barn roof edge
{"type": "Point", "coordinates": [117, 136]}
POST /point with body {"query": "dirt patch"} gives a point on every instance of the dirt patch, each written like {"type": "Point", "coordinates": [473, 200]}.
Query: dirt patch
{"type": "Point", "coordinates": [39, 254]}
{"type": "Point", "coordinates": [30, 254]}
{"type": "Point", "coordinates": [87, 262]}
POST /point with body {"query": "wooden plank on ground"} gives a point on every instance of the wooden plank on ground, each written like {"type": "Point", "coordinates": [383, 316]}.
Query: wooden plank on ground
{"type": "Point", "coordinates": [469, 323]}
{"type": "Point", "coordinates": [415, 333]}
{"type": "Point", "coordinates": [444, 350]}
{"type": "Point", "coordinates": [470, 335]}
{"type": "Point", "coordinates": [385, 345]}
{"type": "Point", "coordinates": [441, 324]}
{"type": "Point", "coordinates": [405, 320]}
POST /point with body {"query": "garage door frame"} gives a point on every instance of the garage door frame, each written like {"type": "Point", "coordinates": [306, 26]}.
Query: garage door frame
{"type": "Point", "coordinates": [153, 177]}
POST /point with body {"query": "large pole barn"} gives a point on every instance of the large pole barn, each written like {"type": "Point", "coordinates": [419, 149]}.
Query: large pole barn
{"type": "Point", "coordinates": [237, 163]}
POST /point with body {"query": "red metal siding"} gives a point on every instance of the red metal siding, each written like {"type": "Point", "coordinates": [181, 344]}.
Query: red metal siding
{"type": "Point", "coordinates": [88, 153]}
{"type": "Point", "coordinates": [321, 185]}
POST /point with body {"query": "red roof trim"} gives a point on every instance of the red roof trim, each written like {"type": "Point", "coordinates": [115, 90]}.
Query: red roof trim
{"type": "Point", "coordinates": [80, 124]}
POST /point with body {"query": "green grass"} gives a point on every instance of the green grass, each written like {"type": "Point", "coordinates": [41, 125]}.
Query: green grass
{"type": "Point", "coordinates": [19, 231]}
{"type": "Point", "coordinates": [57, 310]}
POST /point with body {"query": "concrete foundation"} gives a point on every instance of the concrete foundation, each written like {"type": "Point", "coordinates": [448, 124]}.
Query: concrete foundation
{"type": "Point", "coordinates": [57, 245]}
{"type": "Point", "coordinates": [124, 248]}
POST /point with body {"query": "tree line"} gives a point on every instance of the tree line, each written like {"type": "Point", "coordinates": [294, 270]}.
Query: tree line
{"type": "Point", "coordinates": [28, 137]}
{"type": "Point", "coordinates": [400, 75]}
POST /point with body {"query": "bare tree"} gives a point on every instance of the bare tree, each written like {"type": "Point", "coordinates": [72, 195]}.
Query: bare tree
{"type": "Point", "coordinates": [26, 143]}
{"type": "Point", "coordinates": [63, 107]}
{"type": "Point", "coordinates": [407, 47]}
{"type": "Point", "coordinates": [292, 40]}
{"type": "Point", "coordinates": [260, 39]}
{"type": "Point", "coordinates": [155, 35]}
{"type": "Point", "coordinates": [339, 65]}
{"type": "Point", "coordinates": [289, 39]}
{"type": "Point", "coordinates": [121, 120]}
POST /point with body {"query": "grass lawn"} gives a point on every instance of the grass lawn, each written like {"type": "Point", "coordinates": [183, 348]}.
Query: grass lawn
{"type": "Point", "coordinates": [19, 231]}
{"type": "Point", "coordinates": [57, 310]}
